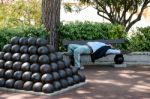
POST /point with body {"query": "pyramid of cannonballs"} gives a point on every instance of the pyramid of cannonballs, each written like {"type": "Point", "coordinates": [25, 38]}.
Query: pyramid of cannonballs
{"type": "Point", "coordinates": [33, 65]}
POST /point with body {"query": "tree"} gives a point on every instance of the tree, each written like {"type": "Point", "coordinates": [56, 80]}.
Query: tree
{"type": "Point", "coordinates": [51, 19]}
{"type": "Point", "coordinates": [124, 12]}
{"type": "Point", "coordinates": [20, 13]}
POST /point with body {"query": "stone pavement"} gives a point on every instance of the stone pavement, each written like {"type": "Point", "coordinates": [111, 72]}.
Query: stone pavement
{"type": "Point", "coordinates": [103, 82]}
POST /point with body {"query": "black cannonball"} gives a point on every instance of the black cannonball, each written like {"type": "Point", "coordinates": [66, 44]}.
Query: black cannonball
{"type": "Point", "coordinates": [18, 84]}
{"type": "Point", "coordinates": [59, 55]}
{"type": "Point", "coordinates": [32, 50]}
{"type": "Point", "coordinates": [48, 88]}
{"type": "Point", "coordinates": [9, 74]}
{"type": "Point", "coordinates": [82, 76]}
{"type": "Point", "coordinates": [34, 58]}
{"type": "Point", "coordinates": [14, 40]}
{"type": "Point", "coordinates": [7, 56]}
{"type": "Point", "coordinates": [60, 64]}
{"type": "Point", "coordinates": [32, 41]}
{"type": "Point", "coordinates": [9, 83]}
{"type": "Point", "coordinates": [53, 57]}
{"type": "Point", "coordinates": [17, 65]}
{"type": "Point", "coordinates": [64, 83]}
{"type": "Point", "coordinates": [119, 59]}
{"type": "Point", "coordinates": [28, 85]}
{"type": "Point", "coordinates": [66, 62]}
{"type": "Point", "coordinates": [41, 42]}
{"type": "Point", "coordinates": [51, 48]}
{"type": "Point", "coordinates": [25, 66]}
{"type": "Point", "coordinates": [55, 75]}
{"type": "Point", "coordinates": [2, 55]}
{"type": "Point", "coordinates": [57, 85]}
{"type": "Point", "coordinates": [70, 81]}
{"type": "Point", "coordinates": [47, 78]}
{"type": "Point", "coordinates": [15, 49]}
{"type": "Point", "coordinates": [8, 64]}
{"type": "Point", "coordinates": [2, 62]}
{"type": "Point", "coordinates": [43, 50]}
{"type": "Point", "coordinates": [54, 66]}
{"type": "Point", "coordinates": [24, 49]}
{"type": "Point", "coordinates": [45, 68]}
{"type": "Point", "coordinates": [76, 78]}
{"type": "Point", "coordinates": [37, 87]}
{"type": "Point", "coordinates": [23, 41]}
{"type": "Point", "coordinates": [25, 57]}
{"type": "Point", "coordinates": [74, 70]}
{"type": "Point", "coordinates": [68, 71]}
{"type": "Point", "coordinates": [26, 76]}
{"type": "Point", "coordinates": [43, 59]}
{"type": "Point", "coordinates": [36, 77]}
{"type": "Point", "coordinates": [2, 72]}
{"type": "Point", "coordinates": [35, 67]}
{"type": "Point", "coordinates": [16, 56]}
{"type": "Point", "coordinates": [2, 82]}
{"type": "Point", "coordinates": [17, 75]}
{"type": "Point", "coordinates": [62, 73]}
{"type": "Point", "coordinates": [7, 48]}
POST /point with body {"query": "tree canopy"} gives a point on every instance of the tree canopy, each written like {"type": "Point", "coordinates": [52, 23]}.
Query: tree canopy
{"type": "Point", "coordinates": [19, 13]}
{"type": "Point", "coordinates": [124, 12]}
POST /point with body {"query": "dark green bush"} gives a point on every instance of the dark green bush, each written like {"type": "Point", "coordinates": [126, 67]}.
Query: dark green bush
{"type": "Point", "coordinates": [140, 41]}
{"type": "Point", "coordinates": [90, 31]}
{"type": "Point", "coordinates": [7, 33]}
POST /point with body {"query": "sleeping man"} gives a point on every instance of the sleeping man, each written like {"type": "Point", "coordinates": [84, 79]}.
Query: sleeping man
{"type": "Point", "coordinates": [95, 49]}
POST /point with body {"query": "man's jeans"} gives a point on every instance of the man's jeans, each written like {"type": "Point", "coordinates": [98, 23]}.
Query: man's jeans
{"type": "Point", "coordinates": [76, 50]}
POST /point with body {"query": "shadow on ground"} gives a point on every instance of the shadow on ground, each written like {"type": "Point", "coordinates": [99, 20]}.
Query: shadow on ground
{"type": "Point", "coordinates": [104, 82]}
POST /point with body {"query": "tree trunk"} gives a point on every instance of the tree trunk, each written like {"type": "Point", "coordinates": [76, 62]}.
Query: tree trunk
{"type": "Point", "coordinates": [51, 19]}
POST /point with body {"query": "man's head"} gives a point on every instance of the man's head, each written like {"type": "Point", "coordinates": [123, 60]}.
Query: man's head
{"type": "Point", "coordinates": [119, 59]}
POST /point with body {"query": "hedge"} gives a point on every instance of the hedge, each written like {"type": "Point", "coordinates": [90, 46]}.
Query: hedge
{"type": "Point", "coordinates": [139, 41]}
{"type": "Point", "coordinates": [7, 33]}
{"type": "Point", "coordinates": [90, 31]}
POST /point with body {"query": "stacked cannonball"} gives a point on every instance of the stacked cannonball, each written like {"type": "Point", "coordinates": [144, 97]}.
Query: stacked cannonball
{"type": "Point", "coordinates": [33, 65]}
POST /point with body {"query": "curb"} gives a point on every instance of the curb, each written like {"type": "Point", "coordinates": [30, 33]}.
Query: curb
{"type": "Point", "coordinates": [41, 93]}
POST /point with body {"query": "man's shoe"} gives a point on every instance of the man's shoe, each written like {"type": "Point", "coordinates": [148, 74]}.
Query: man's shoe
{"type": "Point", "coordinates": [79, 68]}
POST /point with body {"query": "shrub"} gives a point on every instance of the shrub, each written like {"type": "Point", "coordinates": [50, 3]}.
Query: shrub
{"type": "Point", "coordinates": [140, 40]}
{"type": "Point", "coordinates": [90, 31]}
{"type": "Point", "coordinates": [7, 33]}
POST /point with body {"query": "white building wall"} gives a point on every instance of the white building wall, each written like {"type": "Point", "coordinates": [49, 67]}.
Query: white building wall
{"type": "Point", "coordinates": [88, 14]}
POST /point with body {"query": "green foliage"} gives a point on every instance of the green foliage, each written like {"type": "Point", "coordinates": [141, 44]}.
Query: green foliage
{"type": "Point", "coordinates": [140, 41]}
{"type": "Point", "coordinates": [90, 31]}
{"type": "Point", "coordinates": [67, 7]}
{"type": "Point", "coordinates": [7, 33]}
{"type": "Point", "coordinates": [20, 13]}
{"type": "Point", "coordinates": [119, 11]}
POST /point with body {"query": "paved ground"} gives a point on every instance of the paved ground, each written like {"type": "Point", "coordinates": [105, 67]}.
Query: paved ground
{"type": "Point", "coordinates": [104, 82]}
